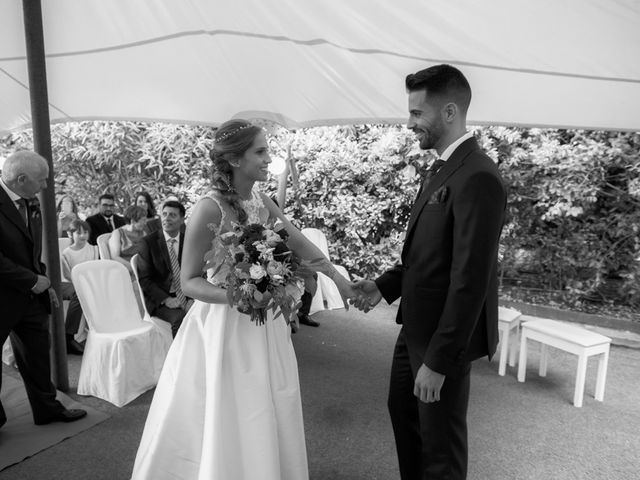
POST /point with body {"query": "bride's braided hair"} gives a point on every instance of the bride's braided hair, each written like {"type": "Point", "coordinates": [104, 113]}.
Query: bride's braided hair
{"type": "Point", "coordinates": [231, 141]}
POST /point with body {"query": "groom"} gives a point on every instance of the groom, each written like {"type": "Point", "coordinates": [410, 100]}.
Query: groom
{"type": "Point", "coordinates": [447, 282]}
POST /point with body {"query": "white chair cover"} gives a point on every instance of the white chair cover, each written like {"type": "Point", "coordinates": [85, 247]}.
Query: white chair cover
{"type": "Point", "coordinates": [327, 290]}
{"type": "Point", "coordinates": [165, 327]}
{"type": "Point", "coordinates": [63, 242]}
{"type": "Point", "coordinates": [124, 354]}
{"type": "Point", "coordinates": [103, 246]}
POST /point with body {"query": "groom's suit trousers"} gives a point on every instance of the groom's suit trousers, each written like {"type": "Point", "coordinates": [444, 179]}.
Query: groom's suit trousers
{"type": "Point", "coordinates": [431, 438]}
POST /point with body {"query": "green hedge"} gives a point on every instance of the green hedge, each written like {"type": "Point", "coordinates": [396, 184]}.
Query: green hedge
{"type": "Point", "coordinates": [574, 196]}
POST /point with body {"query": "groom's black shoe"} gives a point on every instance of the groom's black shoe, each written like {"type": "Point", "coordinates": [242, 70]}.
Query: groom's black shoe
{"type": "Point", "coordinates": [306, 320]}
{"type": "Point", "coordinates": [65, 416]}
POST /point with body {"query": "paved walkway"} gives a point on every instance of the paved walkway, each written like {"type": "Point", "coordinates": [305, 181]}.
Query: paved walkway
{"type": "Point", "coordinates": [523, 431]}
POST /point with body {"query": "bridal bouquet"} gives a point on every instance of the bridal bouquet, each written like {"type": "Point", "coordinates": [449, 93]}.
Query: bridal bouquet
{"type": "Point", "coordinates": [263, 272]}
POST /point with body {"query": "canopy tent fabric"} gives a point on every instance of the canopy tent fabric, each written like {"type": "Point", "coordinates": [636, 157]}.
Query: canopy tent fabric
{"type": "Point", "coordinates": [571, 64]}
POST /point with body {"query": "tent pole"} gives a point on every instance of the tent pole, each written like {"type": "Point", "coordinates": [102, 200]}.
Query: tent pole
{"type": "Point", "coordinates": [34, 36]}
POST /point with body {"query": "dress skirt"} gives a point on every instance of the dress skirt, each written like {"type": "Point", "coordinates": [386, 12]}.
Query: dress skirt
{"type": "Point", "coordinates": [227, 405]}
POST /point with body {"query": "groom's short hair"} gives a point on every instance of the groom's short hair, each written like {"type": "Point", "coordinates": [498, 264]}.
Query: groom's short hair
{"type": "Point", "coordinates": [442, 81]}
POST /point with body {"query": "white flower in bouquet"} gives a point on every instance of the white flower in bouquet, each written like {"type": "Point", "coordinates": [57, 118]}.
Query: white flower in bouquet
{"type": "Point", "coordinates": [277, 269]}
{"type": "Point", "coordinates": [248, 289]}
{"type": "Point", "coordinates": [257, 271]}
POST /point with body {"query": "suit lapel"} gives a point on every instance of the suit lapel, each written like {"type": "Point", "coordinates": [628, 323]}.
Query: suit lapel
{"type": "Point", "coordinates": [11, 212]}
{"type": "Point", "coordinates": [449, 168]}
{"type": "Point", "coordinates": [163, 248]}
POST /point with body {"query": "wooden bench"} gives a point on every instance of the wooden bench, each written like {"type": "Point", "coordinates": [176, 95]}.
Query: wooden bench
{"type": "Point", "coordinates": [572, 339]}
{"type": "Point", "coordinates": [508, 326]}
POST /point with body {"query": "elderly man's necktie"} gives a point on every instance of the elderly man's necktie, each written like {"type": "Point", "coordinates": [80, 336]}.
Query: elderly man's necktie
{"type": "Point", "coordinates": [175, 269]}
{"type": "Point", "coordinates": [24, 212]}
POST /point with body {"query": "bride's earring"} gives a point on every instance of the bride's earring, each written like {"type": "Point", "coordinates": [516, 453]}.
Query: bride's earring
{"type": "Point", "coordinates": [235, 163]}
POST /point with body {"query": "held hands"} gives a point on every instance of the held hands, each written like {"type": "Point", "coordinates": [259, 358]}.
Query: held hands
{"type": "Point", "coordinates": [428, 384]}
{"type": "Point", "coordinates": [368, 295]}
{"type": "Point", "coordinates": [347, 292]}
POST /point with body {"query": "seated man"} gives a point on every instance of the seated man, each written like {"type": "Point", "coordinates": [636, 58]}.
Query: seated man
{"type": "Point", "coordinates": [159, 257]}
{"type": "Point", "coordinates": [105, 220]}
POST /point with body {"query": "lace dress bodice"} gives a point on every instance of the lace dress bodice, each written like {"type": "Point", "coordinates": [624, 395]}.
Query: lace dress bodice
{"type": "Point", "coordinates": [256, 213]}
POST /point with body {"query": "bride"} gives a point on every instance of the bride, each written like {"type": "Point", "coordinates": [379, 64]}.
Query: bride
{"type": "Point", "coordinates": [227, 405]}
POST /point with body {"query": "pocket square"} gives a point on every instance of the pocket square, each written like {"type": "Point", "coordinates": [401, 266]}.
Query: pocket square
{"type": "Point", "coordinates": [439, 196]}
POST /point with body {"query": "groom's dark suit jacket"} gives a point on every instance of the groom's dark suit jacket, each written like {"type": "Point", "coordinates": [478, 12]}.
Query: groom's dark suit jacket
{"type": "Point", "coordinates": [448, 275]}
{"type": "Point", "coordinates": [154, 268]}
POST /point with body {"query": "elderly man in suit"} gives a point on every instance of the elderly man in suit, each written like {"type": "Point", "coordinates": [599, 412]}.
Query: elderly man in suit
{"type": "Point", "coordinates": [159, 262]}
{"type": "Point", "coordinates": [105, 220]}
{"type": "Point", "coordinates": [25, 290]}
{"type": "Point", "coordinates": [447, 282]}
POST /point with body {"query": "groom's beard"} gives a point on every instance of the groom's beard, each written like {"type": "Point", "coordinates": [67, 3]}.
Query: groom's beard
{"type": "Point", "coordinates": [429, 136]}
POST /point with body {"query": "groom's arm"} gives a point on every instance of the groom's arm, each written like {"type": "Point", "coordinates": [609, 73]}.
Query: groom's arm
{"type": "Point", "coordinates": [390, 283]}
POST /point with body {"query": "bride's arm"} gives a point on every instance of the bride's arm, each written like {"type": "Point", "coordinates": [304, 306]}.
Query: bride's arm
{"type": "Point", "coordinates": [303, 247]}
{"type": "Point", "coordinates": [197, 242]}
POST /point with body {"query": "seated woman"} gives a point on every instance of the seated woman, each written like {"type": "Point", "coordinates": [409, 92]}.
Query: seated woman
{"type": "Point", "coordinates": [67, 212]}
{"type": "Point", "coordinates": [143, 199]}
{"type": "Point", "coordinates": [124, 241]}
{"type": "Point", "coordinates": [78, 252]}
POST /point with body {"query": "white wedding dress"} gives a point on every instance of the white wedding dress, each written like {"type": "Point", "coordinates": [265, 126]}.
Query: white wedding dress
{"type": "Point", "coordinates": [227, 405]}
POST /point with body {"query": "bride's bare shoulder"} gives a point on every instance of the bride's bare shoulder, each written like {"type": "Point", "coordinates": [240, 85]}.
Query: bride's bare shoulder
{"type": "Point", "coordinates": [208, 211]}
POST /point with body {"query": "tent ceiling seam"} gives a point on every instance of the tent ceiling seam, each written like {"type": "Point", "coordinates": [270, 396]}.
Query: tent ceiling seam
{"type": "Point", "coordinates": [321, 41]}
{"type": "Point", "coordinates": [51, 105]}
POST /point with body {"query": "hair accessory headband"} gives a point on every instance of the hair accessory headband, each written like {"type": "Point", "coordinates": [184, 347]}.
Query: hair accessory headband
{"type": "Point", "coordinates": [226, 135]}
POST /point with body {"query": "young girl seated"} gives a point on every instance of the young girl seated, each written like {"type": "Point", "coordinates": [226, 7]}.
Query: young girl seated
{"type": "Point", "coordinates": [78, 252]}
